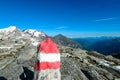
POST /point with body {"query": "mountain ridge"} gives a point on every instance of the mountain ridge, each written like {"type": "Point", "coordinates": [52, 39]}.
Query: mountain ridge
{"type": "Point", "coordinates": [62, 40]}
{"type": "Point", "coordinates": [18, 55]}
{"type": "Point", "coordinates": [92, 44]}
{"type": "Point", "coordinates": [110, 46]}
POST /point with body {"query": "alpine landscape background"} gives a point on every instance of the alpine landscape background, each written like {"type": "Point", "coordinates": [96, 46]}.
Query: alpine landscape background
{"type": "Point", "coordinates": [18, 50]}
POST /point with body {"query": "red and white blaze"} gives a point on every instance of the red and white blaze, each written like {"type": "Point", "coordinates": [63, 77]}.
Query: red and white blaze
{"type": "Point", "coordinates": [47, 65]}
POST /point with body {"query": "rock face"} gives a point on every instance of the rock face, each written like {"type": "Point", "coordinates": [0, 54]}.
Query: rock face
{"type": "Point", "coordinates": [88, 66]}
{"type": "Point", "coordinates": [35, 34]}
{"type": "Point", "coordinates": [17, 59]}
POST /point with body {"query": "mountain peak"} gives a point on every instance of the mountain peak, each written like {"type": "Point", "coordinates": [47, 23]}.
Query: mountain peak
{"type": "Point", "coordinates": [34, 33]}
{"type": "Point", "coordinates": [59, 35]}
{"type": "Point", "coordinates": [12, 27]}
{"type": "Point", "coordinates": [9, 29]}
{"type": "Point", "coordinates": [62, 40]}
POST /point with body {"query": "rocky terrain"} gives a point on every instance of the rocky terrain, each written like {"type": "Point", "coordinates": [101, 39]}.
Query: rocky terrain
{"type": "Point", "coordinates": [17, 56]}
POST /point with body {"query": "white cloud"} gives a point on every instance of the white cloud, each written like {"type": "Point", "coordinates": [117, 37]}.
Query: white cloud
{"type": "Point", "coordinates": [106, 19]}
{"type": "Point", "coordinates": [61, 27]}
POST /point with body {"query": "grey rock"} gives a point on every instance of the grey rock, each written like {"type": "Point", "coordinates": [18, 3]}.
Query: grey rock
{"type": "Point", "coordinates": [71, 72]}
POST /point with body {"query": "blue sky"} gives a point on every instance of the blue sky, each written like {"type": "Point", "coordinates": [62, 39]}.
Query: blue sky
{"type": "Point", "coordinates": [72, 18]}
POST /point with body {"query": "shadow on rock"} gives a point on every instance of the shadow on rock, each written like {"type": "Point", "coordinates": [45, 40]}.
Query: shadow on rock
{"type": "Point", "coordinates": [27, 74]}
{"type": "Point", "coordinates": [2, 78]}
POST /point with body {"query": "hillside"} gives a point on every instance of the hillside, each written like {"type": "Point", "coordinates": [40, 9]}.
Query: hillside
{"type": "Point", "coordinates": [107, 46]}
{"type": "Point", "coordinates": [116, 55]}
{"type": "Point", "coordinates": [62, 40]}
{"type": "Point", "coordinates": [17, 57]}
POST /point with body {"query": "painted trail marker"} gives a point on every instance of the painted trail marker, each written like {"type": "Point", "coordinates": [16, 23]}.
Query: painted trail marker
{"type": "Point", "coordinates": [47, 65]}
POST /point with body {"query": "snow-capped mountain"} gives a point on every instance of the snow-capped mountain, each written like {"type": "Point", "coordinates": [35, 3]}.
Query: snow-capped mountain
{"type": "Point", "coordinates": [34, 33]}
{"type": "Point", "coordinates": [14, 32]}
{"type": "Point", "coordinates": [10, 32]}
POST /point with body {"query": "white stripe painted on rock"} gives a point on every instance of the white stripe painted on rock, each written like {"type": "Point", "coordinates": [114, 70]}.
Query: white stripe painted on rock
{"type": "Point", "coordinates": [53, 57]}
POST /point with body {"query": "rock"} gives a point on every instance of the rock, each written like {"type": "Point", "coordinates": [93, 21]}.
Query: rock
{"type": "Point", "coordinates": [91, 75]}
{"type": "Point", "coordinates": [35, 35]}
{"type": "Point", "coordinates": [27, 53]}
{"type": "Point", "coordinates": [5, 62]}
{"type": "Point", "coordinates": [112, 70]}
{"type": "Point", "coordinates": [71, 71]}
{"type": "Point", "coordinates": [47, 64]}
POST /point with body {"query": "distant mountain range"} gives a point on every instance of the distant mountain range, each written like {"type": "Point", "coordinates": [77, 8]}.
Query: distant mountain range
{"type": "Point", "coordinates": [104, 45]}
{"type": "Point", "coordinates": [107, 46]}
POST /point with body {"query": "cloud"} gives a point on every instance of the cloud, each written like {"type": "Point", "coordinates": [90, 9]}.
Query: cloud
{"type": "Point", "coordinates": [106, 19]}
{"type": "Point", "coordinates": [61, 27]}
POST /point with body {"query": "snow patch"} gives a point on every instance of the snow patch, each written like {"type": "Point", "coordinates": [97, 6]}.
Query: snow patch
{"type": "Point", "coordinates": [35, 43]}
{"type": "Point", "coordinates": [34, 33]}
{"type": "Point", "coordinates": [9, 29]}
{"type": "Point", "coordinates": [104, 62]}
{"type": "Point", "coordinates": [117, 67]}
{"type": "Point", "coordinates": [12, 28]}
{"type": "Point", "coordinates": [37, 34]}
{"type": "Point", "coordinates": [5, 47]}
{"type": "Point", "coordinates": [30, 31]}
{"type": "Point", "coordinates": [32, 39]}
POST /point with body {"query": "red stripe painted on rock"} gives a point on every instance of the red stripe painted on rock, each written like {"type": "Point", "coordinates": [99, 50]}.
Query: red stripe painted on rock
{"type": "Point", "coordinates": [47, 65]}
{"type": "Point", "coordinates": [48, 46]}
